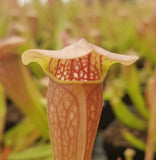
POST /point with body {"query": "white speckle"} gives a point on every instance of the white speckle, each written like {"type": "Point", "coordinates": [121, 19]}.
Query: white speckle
{"type": "Point", "coordinates": [65, 73]}
{"type": "Point", "coordinates": [61, 69]}
{"type": "Point", "coordinates": [91, 74]}
{"type": "Point", "coordinates": [76, 68]}
{"type": "Point", "coordinates": [81, 74]}
{"type": "Point", "coordinates": [58, 76]}
{"type": "Point", "coordinates": [76, 75]}
{"type": "Point", "coordinates": [62, 78]}
{"type": "Point", "coordinates": [85, 76]}
{"type": "Point", "coordinates": [71, 116]}
{"type": "Point", "coordinates": [86, 69]}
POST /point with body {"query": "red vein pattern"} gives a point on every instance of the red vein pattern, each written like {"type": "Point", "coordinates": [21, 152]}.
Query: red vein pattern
{"type": "Point", "coordinates": [74, 111]}
{"type": "Point", "coordinates": [87, 68]}
{"type": "Point", "coordinates": [94, 100]}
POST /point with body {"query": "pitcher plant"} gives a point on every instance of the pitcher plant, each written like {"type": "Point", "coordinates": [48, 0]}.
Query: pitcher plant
{"type": "Point", "coordinates": [19, 85]}
{"type": "Point", "coordinates": [75, 94]}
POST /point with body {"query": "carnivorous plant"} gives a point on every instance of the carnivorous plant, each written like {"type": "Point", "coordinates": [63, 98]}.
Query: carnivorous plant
{"type": "Point", "coordinates": [18, 84]}
{"type": "Point", "coordinates": [75, 94]}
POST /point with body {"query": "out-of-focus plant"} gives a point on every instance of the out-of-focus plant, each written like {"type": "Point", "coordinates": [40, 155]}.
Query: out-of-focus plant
{"type": "Point", "coordinates": [151, 95]}
{"type": "Point", "coordinates": [145, 117]}
{"type": "Point", "coordinates": [11, 6]}
{"type": "Point", "coordinates": [19, 85]}
{"type": "Point", "coordinates": [136, 116]}
{"type": "Point", "coordinates": [76, 78]}
{"type": "Point", "coordinates": [130, 82]}
{"type": "Point", "coordinates": [3, 22]}
{"type": "Point", "coordinates": [40, 152]}
{"type": "Point", "coordinates": [129, 154]}
{"type": "Point", "coordinates": [2, 112]}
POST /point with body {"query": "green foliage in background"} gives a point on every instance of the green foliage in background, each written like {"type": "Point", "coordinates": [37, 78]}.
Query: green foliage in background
{"type": "Point", "coordinates": [124, 27]}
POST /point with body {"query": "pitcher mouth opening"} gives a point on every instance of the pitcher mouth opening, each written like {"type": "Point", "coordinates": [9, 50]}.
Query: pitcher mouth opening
{"type": "Point", "coordinates": [81, 62]}
{"type": "Point", "coordinates": [86, 69]}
